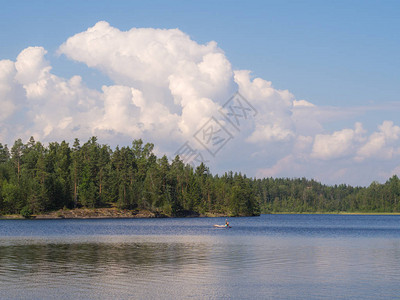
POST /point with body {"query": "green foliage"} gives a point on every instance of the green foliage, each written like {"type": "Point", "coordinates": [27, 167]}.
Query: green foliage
{"type": "Point", "coordinates": [26, 212]}
{"type": "Point", "coordinates": [34, 179]}
{"type": "Point", "coordinates": [302, 195]}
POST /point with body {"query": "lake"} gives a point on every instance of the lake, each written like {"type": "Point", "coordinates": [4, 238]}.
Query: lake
{"type": "Point", "coordinates": [266, 257]}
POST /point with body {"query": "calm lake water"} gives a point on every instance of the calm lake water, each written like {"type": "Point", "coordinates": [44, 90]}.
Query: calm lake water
{"type": "Point", "coordinates": [267, 257]}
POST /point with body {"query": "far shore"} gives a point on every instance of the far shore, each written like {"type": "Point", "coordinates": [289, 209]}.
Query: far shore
{"type": "Point", "coordinates": [333, 213]}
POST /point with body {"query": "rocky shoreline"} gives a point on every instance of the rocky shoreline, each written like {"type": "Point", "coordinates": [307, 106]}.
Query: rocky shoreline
{"type": "Point", "coordinates": [106, 213]}
{"type": "Point", "coordinates": [98, 213]}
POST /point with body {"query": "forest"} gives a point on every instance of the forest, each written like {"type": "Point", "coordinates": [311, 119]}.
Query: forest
{"type": "Point", "coordinates": [35, 178]}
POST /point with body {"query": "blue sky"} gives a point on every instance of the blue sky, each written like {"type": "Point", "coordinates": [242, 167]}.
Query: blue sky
{"type": "Point", "coordinates": [341, 56]}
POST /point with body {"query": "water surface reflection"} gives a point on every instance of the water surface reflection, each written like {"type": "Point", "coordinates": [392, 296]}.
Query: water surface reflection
{"type": "Point", "coordinates": [216, 265]}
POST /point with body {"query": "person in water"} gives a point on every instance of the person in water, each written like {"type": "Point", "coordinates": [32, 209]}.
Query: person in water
{"type": "Point", "coordinates": [226, 223]}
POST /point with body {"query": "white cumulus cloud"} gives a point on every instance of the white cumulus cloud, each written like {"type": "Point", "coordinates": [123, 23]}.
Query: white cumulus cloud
{"type": "Point", "coordinates": [274, 106]}
{"type": "Point", "coordinates": [338, 144]}
{"type": "Point", "coordinates": [177, 77]}
{"type": "Point", "coordinates": [381, 144]}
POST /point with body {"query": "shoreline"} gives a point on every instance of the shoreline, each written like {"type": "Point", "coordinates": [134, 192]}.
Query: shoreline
{"type": "Point", "coordinates": [106, 213]}
{"type": "Point", "coordinates": [333, 213]}
{"type": "Point", "coordinates": [115, 213]}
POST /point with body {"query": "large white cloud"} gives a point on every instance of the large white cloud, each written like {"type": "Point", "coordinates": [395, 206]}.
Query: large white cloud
{"type": "Point", "coordinates": [177, 77]}
{"type": "Point", "coordinates": [165, 87]}
{"type": "Point", "coordinates": [45, 106]}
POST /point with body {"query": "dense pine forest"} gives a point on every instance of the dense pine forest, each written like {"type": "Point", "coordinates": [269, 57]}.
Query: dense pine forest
{"type": "Point", "coordinates": [36, 179]}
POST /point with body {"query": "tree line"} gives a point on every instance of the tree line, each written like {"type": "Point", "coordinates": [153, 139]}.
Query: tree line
{"type": "Point", "coordinates": [302, 195]}
{"type": "Point", "coordinates": [36, 179]}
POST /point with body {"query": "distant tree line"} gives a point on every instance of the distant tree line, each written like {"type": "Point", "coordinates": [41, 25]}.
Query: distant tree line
{"type": "Point", "coordinates": [35, 179]}
{"type": "Point", "coordinates": [302, 195]}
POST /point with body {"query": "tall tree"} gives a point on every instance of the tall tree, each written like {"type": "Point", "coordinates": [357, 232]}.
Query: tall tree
{"type": "Point", "coordinates": [16, 154]}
